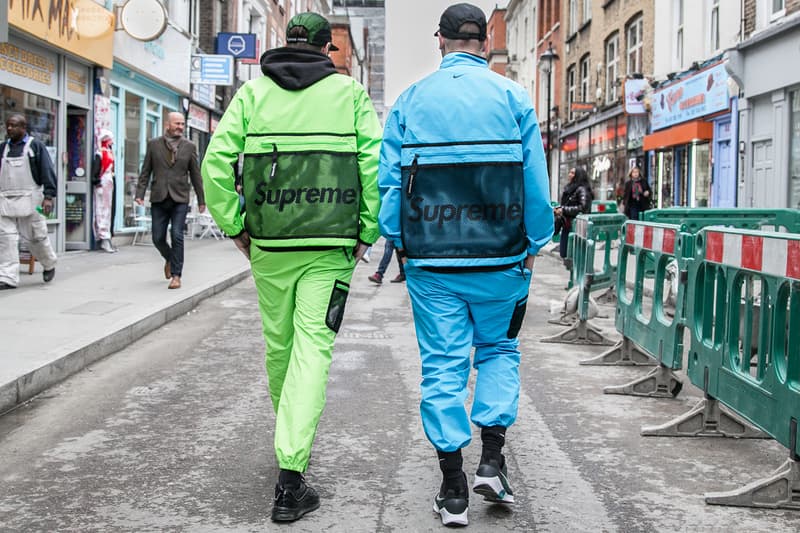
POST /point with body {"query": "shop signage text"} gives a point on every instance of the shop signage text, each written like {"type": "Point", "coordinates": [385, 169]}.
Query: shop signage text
{"type": "Point", "coordinates": [26, 64]}
{"type": "Point", "coordinates": [211, 69]}
{"type": "Point", "coordinates": [702, 94]}
{"type": "Point", "coordinates": [81, 27]}
{"type": "Point", "coordinates": [198, 118]}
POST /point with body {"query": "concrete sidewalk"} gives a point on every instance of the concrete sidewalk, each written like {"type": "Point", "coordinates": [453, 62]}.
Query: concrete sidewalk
{"type": "Point", "coordinates": [97, 304]}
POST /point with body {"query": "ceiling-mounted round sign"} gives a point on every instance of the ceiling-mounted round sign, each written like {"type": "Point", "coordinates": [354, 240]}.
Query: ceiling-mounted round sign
{"type": "Point", "coordinates": [144, 20]}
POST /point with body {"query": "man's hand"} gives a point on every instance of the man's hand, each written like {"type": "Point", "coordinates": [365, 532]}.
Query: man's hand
{"type": "Point", "coordinates": [47, 206]}
{"type": "Point", "coordinates": [202, 208]}
{"type": "Point", "coordinates": [529, 261]}
{"type": "Point", "coordinates": [360, 250]}
{"type": "Point", "coordinates": [139, 201]}
{"type": "Point", "coordinates": [242, 242]}
{"type": "Point", "coordinates": [557, 211]}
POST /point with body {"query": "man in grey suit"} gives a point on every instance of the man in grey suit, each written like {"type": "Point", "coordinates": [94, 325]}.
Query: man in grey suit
{"type": "Point", "coordinates": [172, 161]}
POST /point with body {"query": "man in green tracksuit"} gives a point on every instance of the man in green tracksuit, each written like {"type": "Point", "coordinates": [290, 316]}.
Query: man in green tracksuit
{"type": "Point", "coordinates": [310, 140]}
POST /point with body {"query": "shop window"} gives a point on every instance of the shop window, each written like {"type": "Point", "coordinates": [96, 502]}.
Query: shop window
{"type": "Point", "coordinates": [133, 154]}
{"type": "Point", "coordinates": [702, 176]}
{"type": "Point", "coordinates": [40, 114]}
{"type": "Point", "coordinates": [794, 148]}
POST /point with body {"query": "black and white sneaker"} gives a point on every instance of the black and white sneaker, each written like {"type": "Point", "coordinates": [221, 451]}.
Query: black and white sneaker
{"type": "Point", "coordinates": [491, 482]}
{"type": "Point", "coordinates": [452, 505]}
{"type": "Point", "coordinates": [292, 503]}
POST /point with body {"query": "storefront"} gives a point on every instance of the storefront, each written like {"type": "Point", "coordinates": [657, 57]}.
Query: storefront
{"type": "Point", "coordinates": [144, 86]}
{"type": "Point", "coordinates": [601, 149]}
{"type": "Point", "coordinates": [692, 122]}
{"type": "Point", "coordinates": [769, 115]}
{"type": "Point", "coordinates": [46, 75]}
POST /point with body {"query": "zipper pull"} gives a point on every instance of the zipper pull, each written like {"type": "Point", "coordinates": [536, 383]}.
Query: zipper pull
{"type": "Point", "coordinates": [411, 175]}
{"type": "Point", "coordinates": [274, 161]}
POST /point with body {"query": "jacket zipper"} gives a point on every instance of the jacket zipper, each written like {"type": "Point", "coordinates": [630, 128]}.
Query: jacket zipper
{"type": "Point", "coordinates": [274, 161]}
{"type": "Point", "coordinates": [411, 175]}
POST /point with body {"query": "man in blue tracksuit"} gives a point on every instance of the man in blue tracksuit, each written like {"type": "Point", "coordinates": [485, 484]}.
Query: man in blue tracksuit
{"type": "Point", "coordinates": [464, 191]}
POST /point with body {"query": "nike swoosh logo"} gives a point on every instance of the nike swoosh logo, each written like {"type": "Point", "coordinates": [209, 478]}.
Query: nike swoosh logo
{"type": "Point", "coordinates": [457, 75]}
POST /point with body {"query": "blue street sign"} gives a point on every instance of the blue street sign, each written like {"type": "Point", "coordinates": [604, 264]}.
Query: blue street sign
{"type": "Point", "coordinates": [238, 45]}
{"type": "Point", "coordinates": [211, 69]}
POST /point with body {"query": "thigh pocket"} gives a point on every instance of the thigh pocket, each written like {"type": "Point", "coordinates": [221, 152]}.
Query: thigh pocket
{"type": "Point", "coordinates": [516, 318]}
{"type": "Point", "coordinates": [335, 313]}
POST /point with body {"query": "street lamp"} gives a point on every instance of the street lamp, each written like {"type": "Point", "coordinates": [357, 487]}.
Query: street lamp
{"type": "Point", "coordinates": [546, 67]}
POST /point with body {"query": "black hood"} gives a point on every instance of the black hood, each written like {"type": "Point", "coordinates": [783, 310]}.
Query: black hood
{"type": "Point", "coordinates": [295, 69]}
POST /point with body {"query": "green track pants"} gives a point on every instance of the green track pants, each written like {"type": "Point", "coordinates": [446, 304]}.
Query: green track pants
{"type": "Point", "coordinates": [301, 296]}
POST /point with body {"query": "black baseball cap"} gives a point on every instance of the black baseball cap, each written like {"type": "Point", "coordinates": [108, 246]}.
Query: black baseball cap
{"type": "Point", "coordinates": [318, 30]}
{"type": "Point", "coordinates": [458, 14]}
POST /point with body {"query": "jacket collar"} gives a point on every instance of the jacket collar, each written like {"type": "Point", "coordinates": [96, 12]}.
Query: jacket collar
{"type": "Point", "coordinates": [458, 59]}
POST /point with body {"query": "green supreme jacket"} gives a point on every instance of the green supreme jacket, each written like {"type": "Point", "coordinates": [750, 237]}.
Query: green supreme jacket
{"type": "Point", "coordinates": [310, 141]}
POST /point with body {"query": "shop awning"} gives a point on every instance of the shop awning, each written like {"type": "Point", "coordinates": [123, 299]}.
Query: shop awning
{"type": "Point", "coordinates": [698, 130]}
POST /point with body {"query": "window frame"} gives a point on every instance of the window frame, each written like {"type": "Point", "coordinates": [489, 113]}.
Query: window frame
{"type": "Point", "coordinates": [573, 17]}
{"type": "Point", "coordinates": [636, 49]}
{"type": "Point", "coordinates": [585, 78]}
{"type": "Point", "coordinates": [612, 68]}
{"type": "Point", "coordinates": [571, 90]}
{"type": "Point", "coordinates": [713, 30]}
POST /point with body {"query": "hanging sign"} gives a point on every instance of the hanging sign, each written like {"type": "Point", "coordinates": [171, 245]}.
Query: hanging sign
{"type": "Point", "coordinates": [699, 95]}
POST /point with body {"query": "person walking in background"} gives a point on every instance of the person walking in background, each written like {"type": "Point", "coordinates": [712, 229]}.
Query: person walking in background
{"type": "Point", "coordinates": [103, 182]}
{"type": "Point", "coordinates": [388, 252]}
{"type": "Point", "coordinates": [27, 183]}
{"type": "Point", "coordinates": [464, 188]}
{"type": "Point", "coordinates": [575, 199]}
{"type": "Point", "coordinates": [637, 196]}
{"type": "Point", "coordinates": [310, 139]}
{"type": "Point", "coordinates": [171, 160]}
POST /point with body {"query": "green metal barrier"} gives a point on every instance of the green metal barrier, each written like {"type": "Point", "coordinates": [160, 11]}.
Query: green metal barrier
{"type": "Point", "coordinates": [743, 313]}
{"type": "Point", "coordinates": [556, 235]}
{"type": "Point", "coordinates": [649, 333]}
{"type": "Point", "coordinates": [696, 218]}
{"type": "Point", "coordinates": [588, 230]}
{"type": "Point", "coordinates": [600, 206]}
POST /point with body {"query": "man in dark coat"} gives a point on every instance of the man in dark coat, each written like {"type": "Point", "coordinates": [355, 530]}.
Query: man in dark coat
{"type": "Point", "coordinates": [172, 161]}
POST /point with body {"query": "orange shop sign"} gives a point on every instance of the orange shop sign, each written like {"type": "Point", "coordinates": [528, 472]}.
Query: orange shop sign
{"type": "Point", "coordinates": [80, 27]}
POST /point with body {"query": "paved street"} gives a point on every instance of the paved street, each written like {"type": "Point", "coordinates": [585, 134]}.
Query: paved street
{"type": "Point", "coordinates": [174, 433]}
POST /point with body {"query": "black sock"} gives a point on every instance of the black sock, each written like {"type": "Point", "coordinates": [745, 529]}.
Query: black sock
{"type": "Point", "coordinates": [493, 437]}
{"type": "Point", "coordinates": [289, 478]}
{"type": "Point", "coordinates": [452, 466]}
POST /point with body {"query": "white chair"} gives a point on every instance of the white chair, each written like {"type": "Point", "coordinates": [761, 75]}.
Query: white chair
{"type": "Point", "coordinates": [207, 226]}
{"type": "Point", "coordinates": [142, 221]}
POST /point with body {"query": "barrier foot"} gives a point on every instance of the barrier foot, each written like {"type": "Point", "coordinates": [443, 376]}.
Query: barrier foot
{"type": "Point", "coordinates": [708, 418]}
{"type": "Point", "coordinates": [567, 319]}
{"type": "Point", "coordinates": [609, 297]}
{"type": "Point", "coordinates": [780, 490]}
{"type": "Point", "coordinates": [581, 332]}
{"type": "Point", "coordinates": [660, 383]}
{"type": "Point", "coordinates": [624, 353]}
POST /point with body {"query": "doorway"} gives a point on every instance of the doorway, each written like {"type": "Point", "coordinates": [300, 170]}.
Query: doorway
{"type": "Point", "coordinates": [77, 201]}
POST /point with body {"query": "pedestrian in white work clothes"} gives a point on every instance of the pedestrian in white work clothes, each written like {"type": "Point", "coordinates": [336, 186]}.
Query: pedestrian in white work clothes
{"type": "Point", "coordinates": [27, 180]}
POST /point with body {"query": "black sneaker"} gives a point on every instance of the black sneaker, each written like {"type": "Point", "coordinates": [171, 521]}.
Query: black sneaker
{"type": "Point", "coordinates": [48, 275]}
{"type": "Point", "coordinates": [6, 286]}
{"type": "Point", "coordinates": [452, 505]}
{"type": "Point", "coordinates": [293, 502]}
{"type": "Point", "coordinates": [491, 482]}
